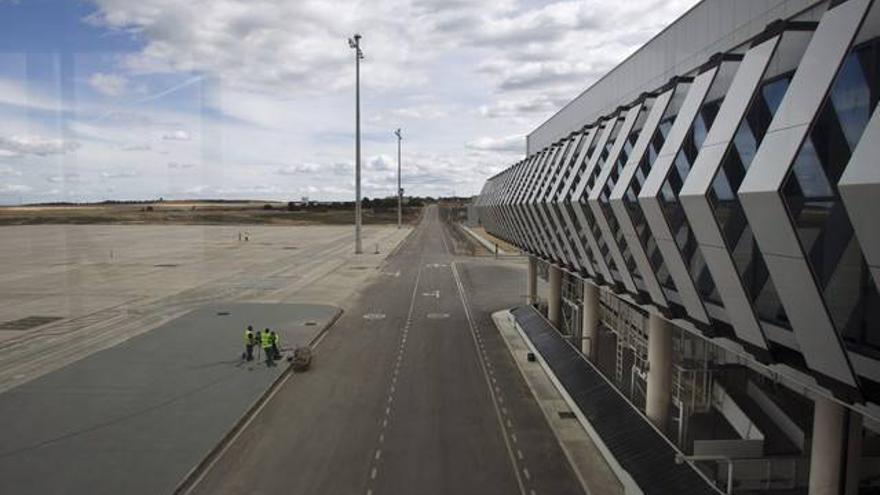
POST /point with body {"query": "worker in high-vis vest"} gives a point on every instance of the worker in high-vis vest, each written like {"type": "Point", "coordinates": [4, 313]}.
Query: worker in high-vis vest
{"type": "Point", "coordinates": [266, 344]}
{"type": "Point", "coordinates": [276, 351]}
{"type": "Point", "coordinates": [249, 342]}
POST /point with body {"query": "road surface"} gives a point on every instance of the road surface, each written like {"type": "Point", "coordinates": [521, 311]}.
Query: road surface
{"type": "Point", "coordinates": [412, 391]}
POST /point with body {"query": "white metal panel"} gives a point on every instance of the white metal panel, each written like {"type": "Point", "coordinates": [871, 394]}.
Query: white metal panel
{"type": "Point", "coordinates": [630, 236]}
{"type": "Point", "coordinates": [860, 189]}
{"type": "Point", "coordinates": [694, 194]}
{"type": "Point", "coordinates": [767, 214]}
{"type": "Point", "coordinates": [567, 190]}
{"type": "Point", "coordinates": [650, 202]}
{"type": "Point", "coordinates": [632, 116]}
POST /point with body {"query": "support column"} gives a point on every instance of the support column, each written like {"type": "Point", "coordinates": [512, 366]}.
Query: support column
{"type": "Point", "coordinates": [554, 296]}
{"type": "Point", "coordinates": [532, 294]}
{"type": "Point", "coordinates": [836, 449]}
{"type": "Point", "coordinates": [659, 370]}
{"type": "Point", "coordinates": [590, 323]}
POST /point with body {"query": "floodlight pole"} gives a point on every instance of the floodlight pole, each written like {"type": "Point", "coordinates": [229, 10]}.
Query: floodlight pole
{"type": "Point", "coordinates": [355, 43]}
{"type": "Point", "coordinates": [399, 189]}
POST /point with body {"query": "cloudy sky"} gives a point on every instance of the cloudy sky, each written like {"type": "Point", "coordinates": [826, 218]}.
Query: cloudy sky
{"type": "Point", "coordinates": [122, 99]}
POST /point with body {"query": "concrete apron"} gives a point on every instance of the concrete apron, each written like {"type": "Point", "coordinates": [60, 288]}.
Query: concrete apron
{"type": "Point", "coordinates": [137, 418]}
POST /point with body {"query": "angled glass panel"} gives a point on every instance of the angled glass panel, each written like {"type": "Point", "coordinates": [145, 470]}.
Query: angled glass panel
{"type": "Point", "coordinates": [605, 228]}
{"type": "Point", "coordinates": [639, 250]}
{"type": "Point", "coordinates": [813, 200]}
{"type": "Point", "coordinates": [790, 197]}
{"type": "Point", "coordinates": [583, 213]}
{"type": "Point", "coordinates": [690, 284]}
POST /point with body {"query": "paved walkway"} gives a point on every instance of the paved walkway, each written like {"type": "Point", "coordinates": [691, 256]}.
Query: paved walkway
{"type": "Point", "coordinates": [136, 418]}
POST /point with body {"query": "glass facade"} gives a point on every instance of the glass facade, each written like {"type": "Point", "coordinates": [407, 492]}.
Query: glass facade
{"type": "Point", "coordinates": [728, 211]}
{"type": "Point", "coordinates": [813, 200]}
{"type": "Point", "coordinates": [605, 193]}
{"type": "Point", "coordinates": [673, 211]}
{"type": "Point", "coordinates": [631, 202]}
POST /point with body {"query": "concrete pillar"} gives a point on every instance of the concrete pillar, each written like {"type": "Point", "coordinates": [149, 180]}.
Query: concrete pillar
{"type": "Point", "coordinates": [554, 296]}
{"type": "Point", "coordinates": [532, 294]}
{"type": "Point", "coordinates": [659, 370]}
{"type": "Point", "coordinates": [836, 449]}
{"type": "Point", "coordinates": [854, 453]}
{"type": "Point", "coordinates": [590, 320]}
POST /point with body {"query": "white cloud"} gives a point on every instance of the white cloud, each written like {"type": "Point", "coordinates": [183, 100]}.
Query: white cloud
{"type": "Point", "coordinates": [178, 135]}
{"type": "Point", "coordinates": [508, 143]}
{"type": "Point", "coordinates": [262, 91]}
{"type": "Point", "coordinates": [69, 178]}
{"type": "Point", "coordinates": [7, 171]}
{"type": "Point", "coordinates": [118, 174]}
{"type": "Point", "coordinates": [18, 94]}
{"type": "Point", "coordinates": [300, 168]}
{"type": "Point", "coordinates": [15, 188]}
{"type": "Point", "coordinates": [108, 84]}
{"type": "Point", "coordinates": [36, 145]}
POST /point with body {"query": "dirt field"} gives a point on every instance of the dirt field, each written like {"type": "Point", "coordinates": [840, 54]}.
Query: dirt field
{"type": "Point", "coordinates": [197, 213]}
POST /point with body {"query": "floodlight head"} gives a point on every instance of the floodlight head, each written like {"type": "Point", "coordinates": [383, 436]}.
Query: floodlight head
{"type": "Point", "coordinates": [351, 43]}
{"type": "Point", "coordinates": [397, 133]}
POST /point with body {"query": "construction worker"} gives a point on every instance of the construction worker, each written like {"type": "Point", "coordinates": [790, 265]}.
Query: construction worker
{"type": "Point", "coordinates": [249, 342]}
{"type": "Point", "coordinates": [276, 352]}
{"type": "Point", "coordinates": [266, 344]}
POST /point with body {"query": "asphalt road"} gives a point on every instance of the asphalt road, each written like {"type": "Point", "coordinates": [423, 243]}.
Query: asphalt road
{"type": "Point", "coordinates": [412, 392]}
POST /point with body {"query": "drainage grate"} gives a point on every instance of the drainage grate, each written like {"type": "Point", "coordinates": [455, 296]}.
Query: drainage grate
{"type": "Point", "coordinates": [222, 313]}
{"type": "Point", "coordinates": [310, 323]}
{"type": "Point", "coordinates": [166, 265]}
{"type": "Point", "coordinates": [28, 322]}
{"type": "Point", "coordinates": [359, 268]}
{"type": "Point", "coordinates": [567, 415]}
{"type": "Point", "coordinates": [290, 247]}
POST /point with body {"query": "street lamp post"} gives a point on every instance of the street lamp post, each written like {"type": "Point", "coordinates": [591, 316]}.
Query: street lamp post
{"type": "Point", "coordinates": [355, 43]}
{"type": "Point", "coordinates": [399, 189]}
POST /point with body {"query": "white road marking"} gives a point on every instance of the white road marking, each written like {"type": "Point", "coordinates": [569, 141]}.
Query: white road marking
{"type": "Point", "coordinates": [483, 361]}
{"type": "Point", "coordinates": [373, 473]}
{"type": "Point", "coordinates": [519, 454]}
{"type": "Point", "coordinates": [378, 454]}
{"type": "Point", "coordinates": [526, 473]}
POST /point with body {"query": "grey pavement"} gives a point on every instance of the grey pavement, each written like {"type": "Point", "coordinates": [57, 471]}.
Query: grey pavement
{"type": "Point", "coordinates": [415, 392]}
{"type": "Point", "coordinates": [137, 417]}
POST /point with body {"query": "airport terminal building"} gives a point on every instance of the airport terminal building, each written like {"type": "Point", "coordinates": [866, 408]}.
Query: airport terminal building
{"type": "Point", "coordinates": [703, 217]}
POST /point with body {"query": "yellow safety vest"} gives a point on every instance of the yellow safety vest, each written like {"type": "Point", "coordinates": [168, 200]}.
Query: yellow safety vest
{"type": "Point", "coordinates": [266, 340]}
{"type": "Point", "coordinates": [248, 337]}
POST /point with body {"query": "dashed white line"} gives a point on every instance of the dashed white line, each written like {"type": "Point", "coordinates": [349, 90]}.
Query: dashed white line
{"type": "Point", "coordinates": [519, 454]}
{"type": "Point", "coordinates": [526, 474]}
{"type": "Point", "coordinates": [378, 454]}
{"type": "Point", "coordinates": [373, 474]}
{"type": "Point", "coordinates": [483, 362]}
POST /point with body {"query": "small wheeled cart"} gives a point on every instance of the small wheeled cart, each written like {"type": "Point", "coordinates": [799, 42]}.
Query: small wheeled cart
{"type": "Point", "coordinates": [301, 359]}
